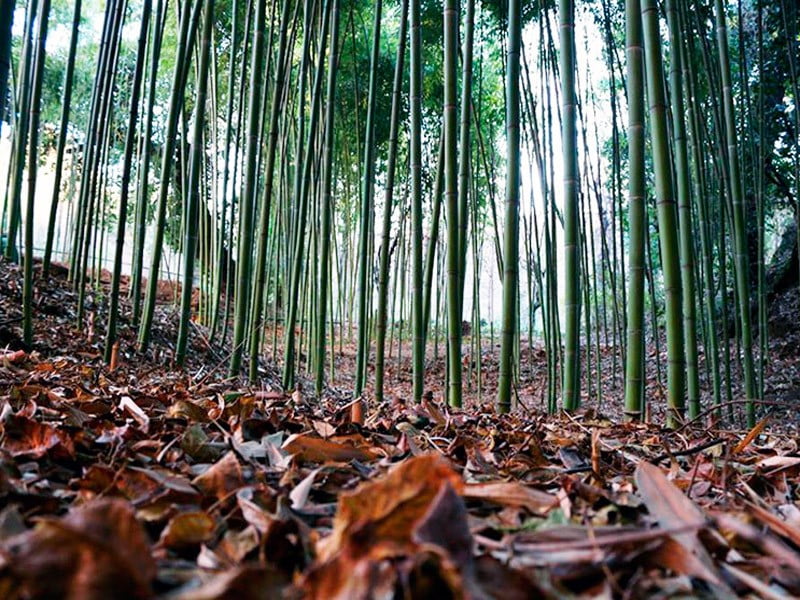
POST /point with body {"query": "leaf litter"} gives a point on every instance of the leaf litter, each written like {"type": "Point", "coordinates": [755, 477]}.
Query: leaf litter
{"type": "Point", "coordinates": [144, 482]}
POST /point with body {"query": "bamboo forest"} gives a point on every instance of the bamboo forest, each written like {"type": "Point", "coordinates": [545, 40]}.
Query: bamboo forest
{"type": "Point", "coordinates": [399, 299]}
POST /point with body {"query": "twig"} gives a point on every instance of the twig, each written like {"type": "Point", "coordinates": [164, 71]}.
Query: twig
{"type": "Point", "coordinates": [628, 537]}
{"type": "Point", "coordinates": [688, 451]}
{"type": "Point", "coordinates": [753, 583]}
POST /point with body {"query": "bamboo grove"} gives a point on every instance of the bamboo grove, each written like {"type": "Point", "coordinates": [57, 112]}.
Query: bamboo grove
{"type": "Point", "coordinates": [322, 173]}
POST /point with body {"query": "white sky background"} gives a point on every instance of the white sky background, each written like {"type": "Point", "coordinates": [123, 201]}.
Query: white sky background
{"type": "Point", "coordinates": [589, 60]}
{"type": "Point", "coordinates": [58, 39]}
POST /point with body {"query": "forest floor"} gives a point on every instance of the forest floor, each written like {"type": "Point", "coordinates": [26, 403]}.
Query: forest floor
{"type": "Point", "coordinates": [147, 481]}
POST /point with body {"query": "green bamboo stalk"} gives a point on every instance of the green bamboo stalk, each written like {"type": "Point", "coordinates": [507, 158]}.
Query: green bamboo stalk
{"type": "Point", "coordinates": [248, 199]}
{"type": "Point", "coordinates": [14, 190]}
{"type": "Point", "coordinates": [143, 195]}
{"type": "Point", "coordinates": [222, 263]}
{"type": "Point", "coordinates": [388, 203]}
{"type": "Point", "coordinates": [464, 166]}
{"type": "Point", "coordinates": [701, 203]}
{"type": "Point", "coordinates": [367, 206]}
{"type": "Point", "coordinates": [451, 201]}
{"type": "Point", "coordinates": [420, 294]}
{"type": "Point", "coordinates": [667, 221]}
{"type": "Point", "coordinates": [684, 211]}
{"type": "Point", "coordinates": [571, 390]}
{"type": "Point", "coordinates": [6, 26]}
{"type": "Point", "coordinates": [122, 215]}
{"type": "Point", "coordinates": [511, 234]}
{"type": "Point", "coordinates": [94, 190]}
{"type": "Point", "coordinates": [739, 235]}
{"type": "Point", "coordinates": [301, 195]}
{"type": "Point", "coordinates": [327, 205]}
{"type": "Point", "coordinates": [194, 188]}
{"type": "Point", "coordinates": [263, 227]}
{"type": "Point", "coordinates": [89, 147]}
{"type": "Point", "coordinates": [33, 161]}
{"type": "Point", "coordinates": [188, 24]}
{"type": "Point", "coordinates": [66, 101]}
{"type": "Point", "coordinates": [433, 237]}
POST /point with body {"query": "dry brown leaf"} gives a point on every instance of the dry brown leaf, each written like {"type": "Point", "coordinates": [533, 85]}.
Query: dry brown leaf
{"type": "Point", "coordinates": [244, 583]}
{"type": "Point", "coordinates": [299, 495]}
{"type": "Point", "coordinates": [183, 409]}
{"type": "Point", "coordinates": [390, 505]}
{"type": "Point", "coordinates": [221, 479]}
{"type": "Point", "coordinates": [26, 437]}
{"type": "Point", "coordinates": [673, 509]}
{"type": "Point", "coordinates": [97, 551]}
{"type": "Point", "coordinates": [314, 449]}
{"type": "Point", "coordinates": [127, 404]}
{"type": "Point", "coordinates": [414, 512]}
{"type": "Point", "coordinates": [249, 502]}
{"type": "Point", "coordinates": [11, 356]}
{"type": "Point", "coordinates": [761, 539]}
{"type": "Point", "coordinates": [500, 582]}
{"type": "Point", "coordinates": [776, 464]}
{"type": "Point", "coordinates": [676, 557]}
{"type": "Point", "coordinates": [188, 529]}
{"type": "Point", "coordinates": [511, 493]}
{"type": "Point", "coordinates": [774, 522]}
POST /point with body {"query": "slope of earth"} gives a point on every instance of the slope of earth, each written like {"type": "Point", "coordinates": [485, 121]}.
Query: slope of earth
{"type": "Point", "coordinates": [144, 482]}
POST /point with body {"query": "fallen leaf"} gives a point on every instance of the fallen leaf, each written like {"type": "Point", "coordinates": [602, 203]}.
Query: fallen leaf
{"type": "Point", "coordinates": [445, 525]}
{"type": "Point", "coordinates": [676, 557]}
{"type": "Point", "coordinates": [313, 449]}
{"type": "Point", "coordinates": [97, 551]}
{"type": "Point", "coordinates": [188, 529]}
{"type": "Point", "coordinates": [387, 508]}
{"type": "Point", "coordinates": [257, 515]}
{"type": "Point", "coordinates": [26, 437]}
{"type": "Point", "coordinates": [222, 478]}
{"type": "Point", "coordinates": [299, 495]}
{"type": "Point", "coordinates": [673, 509]}
{"type": "Point", "coordinates": [8, 357]}
{"type": "Point", "coordinates": [511, 494]}
{"type": "Point", "coordinates": [245, 583]}
{"type": "Point", "coordinates": [127, 404]}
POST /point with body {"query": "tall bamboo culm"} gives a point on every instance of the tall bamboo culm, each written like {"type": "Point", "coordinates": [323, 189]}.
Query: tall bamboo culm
{"type": "Point", "coordinates": [419, 295]}
{"type": "Point", "coordinates": [451, 202]}
{"type": "Point", "coordinates": [667, 218]}
{"type": "Point", "coordinates": [511, 234]}
{"type": "Point", "coordinates": [741, 268]}
{"type": "Point", "coordinates": [571, 390]}
{"type": "Point", "coordinates": [634, 368]}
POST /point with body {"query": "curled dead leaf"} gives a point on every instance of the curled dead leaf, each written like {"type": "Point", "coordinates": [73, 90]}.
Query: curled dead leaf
{"type": "Point", "coordinates": [391, 504]}
{"type": "Point", "coordinates": [26, 437]}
